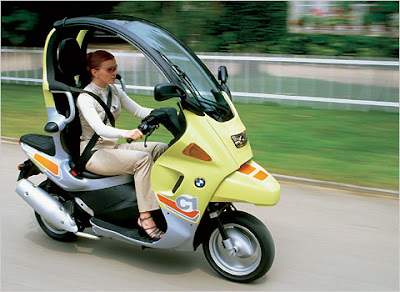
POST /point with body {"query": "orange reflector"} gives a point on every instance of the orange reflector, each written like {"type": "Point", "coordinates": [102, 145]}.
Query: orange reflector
{"type": "Point", "coordinates": [193, 150]}
{"type": "Point", "coordinates": [47, 163]}
{"type": "Point", "coordinates": [261, 175]}
{"type": "Point", "coordinates": [246, 168]}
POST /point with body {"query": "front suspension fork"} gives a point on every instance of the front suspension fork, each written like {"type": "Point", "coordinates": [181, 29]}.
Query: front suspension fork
{"type": "Point", "coordinates": [215, 212]}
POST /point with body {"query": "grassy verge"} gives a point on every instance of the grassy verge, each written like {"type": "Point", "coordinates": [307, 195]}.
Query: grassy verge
{"type": "Point", "coordinates": [360, 148]}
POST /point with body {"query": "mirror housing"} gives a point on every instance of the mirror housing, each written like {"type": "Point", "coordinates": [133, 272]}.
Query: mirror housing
{"type": "Point", "coordinates": [223, 77]}
{"type": "Point", "coordinates": [166, 91]}
{"type": "Point", "coordinates": [222, 74]}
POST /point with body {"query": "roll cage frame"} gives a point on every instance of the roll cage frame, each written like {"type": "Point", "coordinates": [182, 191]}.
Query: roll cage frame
{"type": "Point", "coordinates": [70, 28]}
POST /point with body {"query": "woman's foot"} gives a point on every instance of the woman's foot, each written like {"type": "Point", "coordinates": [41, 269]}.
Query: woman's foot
{"type": "Point", "coordinates": [146, 222]}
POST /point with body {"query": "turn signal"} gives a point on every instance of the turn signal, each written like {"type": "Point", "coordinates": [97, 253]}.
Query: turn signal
{"type": "Point", "coordinates": [193, 150]}
{"type": "Point", "coordinates": [240, 139]}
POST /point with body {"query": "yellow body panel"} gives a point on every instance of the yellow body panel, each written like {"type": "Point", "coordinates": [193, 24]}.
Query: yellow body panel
{"type": "Point", "coordinates": [255, 186]}
{"type": "Point", "coordinates": [48, 97]}
{"type": "Point", "coordinates": [203, 131]}
{"type": "Point", "coordinates": [174, 174]}
{"type": "Point", "coordinates": [81, 36]}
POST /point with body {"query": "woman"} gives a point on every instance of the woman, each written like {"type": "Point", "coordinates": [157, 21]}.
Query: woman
{"type": "Point", "coordinates": [109, 157]}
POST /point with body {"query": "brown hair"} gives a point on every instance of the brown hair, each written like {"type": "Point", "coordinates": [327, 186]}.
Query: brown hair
{"type": "Point", "coordinates": [94, 59]}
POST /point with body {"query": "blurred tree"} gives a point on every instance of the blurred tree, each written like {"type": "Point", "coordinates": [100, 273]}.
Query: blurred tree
{"type": "Point", "coordinates": [380, 12]}
{"type": "Point", "coordinates": [206, 26]}
{"type": "Point", "coordinates": [16, 26]}
{"type": "Point", "coordinates": [247, 25]}
{"type": "Point", "coordinates": [27, 23]}
{"type": "Point", "coordinates": [189, 21]}
{"type": "Point", "coordinates": [214, 25]}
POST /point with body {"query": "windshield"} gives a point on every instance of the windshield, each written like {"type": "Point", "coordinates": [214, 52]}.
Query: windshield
{"type": "Point", "coordinates": [197, 81]}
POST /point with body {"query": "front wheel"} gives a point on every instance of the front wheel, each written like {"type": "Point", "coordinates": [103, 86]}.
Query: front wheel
{"type": "Point", "coordinates": [253, 251]}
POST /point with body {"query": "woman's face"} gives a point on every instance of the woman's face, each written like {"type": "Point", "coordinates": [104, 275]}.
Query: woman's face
{"type": "Point", "coordinates": [105, 73]}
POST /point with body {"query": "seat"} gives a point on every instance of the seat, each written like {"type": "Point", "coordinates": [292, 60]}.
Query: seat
{"type": "Point", "coordinates": [71, 61]}
{"type": "Point", "coordinates": [40, 142]}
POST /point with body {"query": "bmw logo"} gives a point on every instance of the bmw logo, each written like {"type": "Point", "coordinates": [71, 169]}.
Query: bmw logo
{"type": "Point", "coordinates": [199, 182]}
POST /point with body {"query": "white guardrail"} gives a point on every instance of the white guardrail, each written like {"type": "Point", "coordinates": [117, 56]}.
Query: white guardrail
{"type": "Point", "coordinates": [317, 82]}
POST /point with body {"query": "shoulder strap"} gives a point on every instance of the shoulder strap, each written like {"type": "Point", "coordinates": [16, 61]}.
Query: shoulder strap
{"type": "Point", "coordinates": [105, 107]}
{"type": "Point", "coordinates": [87, 153]}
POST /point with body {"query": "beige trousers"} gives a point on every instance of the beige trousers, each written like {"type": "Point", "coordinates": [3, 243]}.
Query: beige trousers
{"type": "Point", "coordinates": [132, 159]}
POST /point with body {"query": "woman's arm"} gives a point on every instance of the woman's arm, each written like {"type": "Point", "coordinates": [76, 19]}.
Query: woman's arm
{"type": "Point", "coordinates": [131, 106]}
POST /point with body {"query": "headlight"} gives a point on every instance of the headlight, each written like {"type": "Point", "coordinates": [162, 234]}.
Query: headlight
{"type": "Point", "coordinates": [240, 140]}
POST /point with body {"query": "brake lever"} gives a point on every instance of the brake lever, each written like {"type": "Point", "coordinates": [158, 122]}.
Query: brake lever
{"type": "Point", "coordinates": [148, 128]}
{"type": "Point", "coordinates": [152, 128]}
{"type": "Point", "coordinates": [130, 140]}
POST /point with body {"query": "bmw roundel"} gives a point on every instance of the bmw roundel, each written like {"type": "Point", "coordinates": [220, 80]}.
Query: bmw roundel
{"type": "Point", "coordinates": [199, 182]}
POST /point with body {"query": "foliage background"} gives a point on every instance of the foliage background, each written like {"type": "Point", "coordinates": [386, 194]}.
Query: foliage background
{"type": "Point", "coordinates": [206, 26]}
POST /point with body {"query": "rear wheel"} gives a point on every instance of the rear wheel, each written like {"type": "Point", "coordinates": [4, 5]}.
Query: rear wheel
{"type": "Point", "coordinates": [253, 252]}
{"type": "Point", "coordinates": [54, 232]}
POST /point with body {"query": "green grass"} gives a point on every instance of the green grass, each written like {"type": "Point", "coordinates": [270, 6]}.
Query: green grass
{"type": "Point", "coordinates": [359, 148]}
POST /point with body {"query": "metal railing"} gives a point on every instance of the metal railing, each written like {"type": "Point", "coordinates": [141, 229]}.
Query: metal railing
{"type": "Point", "coordinates": [302, 81]}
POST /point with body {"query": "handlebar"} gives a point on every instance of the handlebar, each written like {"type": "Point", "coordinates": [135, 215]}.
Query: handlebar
{"type": "Point", "coordinates": [146, 129]}
{"type": "Point", "coordinates": [168, 117]}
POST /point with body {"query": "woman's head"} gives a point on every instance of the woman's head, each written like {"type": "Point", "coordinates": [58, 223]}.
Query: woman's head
{"type": "Point", "coordinates": [102, 67]}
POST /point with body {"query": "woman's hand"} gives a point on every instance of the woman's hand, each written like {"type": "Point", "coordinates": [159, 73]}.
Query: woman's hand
{"type": "Point", "coordinates": [134, 134]}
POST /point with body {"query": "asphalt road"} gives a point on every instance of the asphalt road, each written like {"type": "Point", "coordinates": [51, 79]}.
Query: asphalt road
{"type": "Point", "coordinates": [326, 240]}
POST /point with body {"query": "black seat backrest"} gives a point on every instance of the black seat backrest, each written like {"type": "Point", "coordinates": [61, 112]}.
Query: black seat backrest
{"type": "Point", "coordinates": [71, 62]}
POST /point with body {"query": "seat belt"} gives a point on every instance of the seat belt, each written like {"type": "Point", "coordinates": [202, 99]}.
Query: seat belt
{"type": "Point", "coordinates": [87, 153]}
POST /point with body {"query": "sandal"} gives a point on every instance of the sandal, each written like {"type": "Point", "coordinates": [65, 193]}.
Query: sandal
{"type": "Point", "coordinates": [156, 234]}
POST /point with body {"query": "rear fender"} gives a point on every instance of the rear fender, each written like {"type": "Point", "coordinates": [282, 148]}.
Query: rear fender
{"type": "Point", "coordinates": [249, 184]}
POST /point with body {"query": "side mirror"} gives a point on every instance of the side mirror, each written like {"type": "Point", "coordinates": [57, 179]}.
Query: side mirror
{"type": "Point", "coordinates": [166, 91]}
{"type": "Point", "coordinates": [223, 77]}
{"type": "Point", "coordinates": [222, 74]}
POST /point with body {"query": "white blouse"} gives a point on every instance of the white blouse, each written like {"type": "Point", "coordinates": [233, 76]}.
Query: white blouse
{"type": "Point", "coordinates": [92, 114]}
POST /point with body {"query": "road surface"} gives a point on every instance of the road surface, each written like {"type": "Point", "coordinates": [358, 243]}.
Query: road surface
{"type": "Point", "coordinates": [325, 240]}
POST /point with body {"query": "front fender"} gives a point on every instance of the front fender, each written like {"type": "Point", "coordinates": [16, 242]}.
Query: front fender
{"type": "Point", "coordinates": [249, 184]}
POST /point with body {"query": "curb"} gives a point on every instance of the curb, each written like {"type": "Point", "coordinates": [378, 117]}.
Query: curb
{"type": "Point", "coordinates": [390, 194]}
{"type": "Point", "coordinates": [286, 178]}
{"type": "Point", "coordinates": [9, 140]}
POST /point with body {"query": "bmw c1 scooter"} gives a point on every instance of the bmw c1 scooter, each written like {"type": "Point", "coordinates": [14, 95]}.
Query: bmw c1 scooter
{"type": "Point", "coordinates": [207, 167]}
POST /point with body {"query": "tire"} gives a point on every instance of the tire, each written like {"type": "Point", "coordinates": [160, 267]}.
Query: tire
{"type": "Point", "coordinates": [255, 248]}
{"type": "Point", "coordinates": [53, 232]}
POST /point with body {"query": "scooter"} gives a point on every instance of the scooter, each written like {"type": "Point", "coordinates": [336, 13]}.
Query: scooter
{"type": "Point", "coordinates": [207, 167]}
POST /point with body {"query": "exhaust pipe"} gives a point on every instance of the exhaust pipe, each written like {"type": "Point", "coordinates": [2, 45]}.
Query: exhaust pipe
{"type": "Point", "coordinates": [44, 204]}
